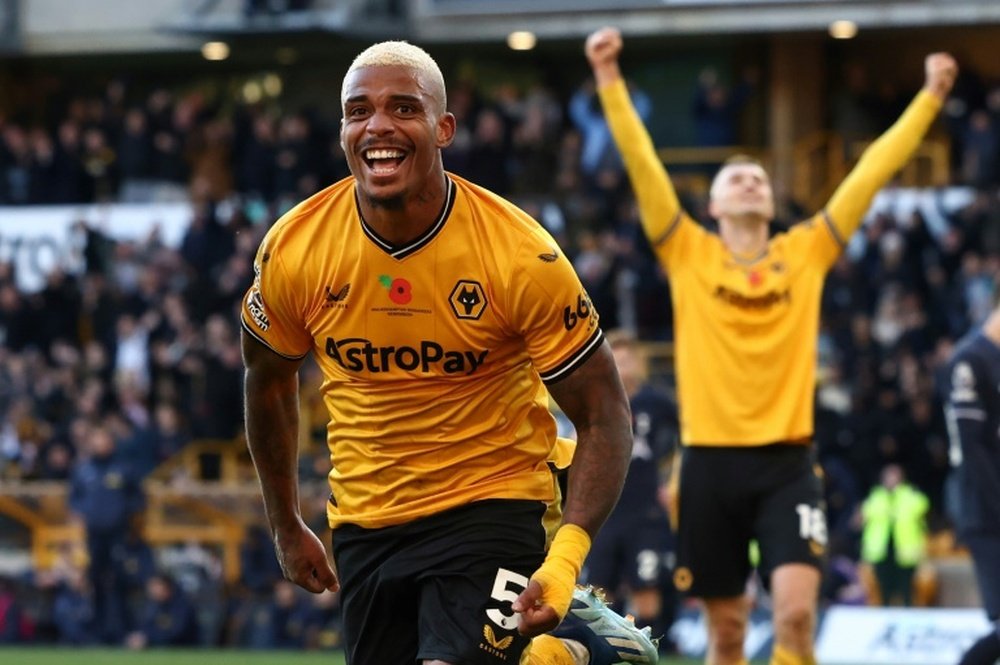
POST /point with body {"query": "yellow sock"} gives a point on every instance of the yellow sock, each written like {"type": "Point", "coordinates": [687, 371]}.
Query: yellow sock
{"type": "Point", "coordinates": [546, 650]}
{"type": "Point", "coordinates": [782, 656]}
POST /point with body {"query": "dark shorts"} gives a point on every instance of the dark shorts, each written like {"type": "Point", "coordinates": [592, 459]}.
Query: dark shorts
{"type": "Point", "coordinates": [632, 548]}
{"type": "Point", "coordinates": [439, 587]}
{"type": "Point", "coordinates": [985, 550]}
{"type": "Point", "coordinates": [732, 495]}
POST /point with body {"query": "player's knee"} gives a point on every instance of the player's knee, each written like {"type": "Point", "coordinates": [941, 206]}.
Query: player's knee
{"type": "Point", "coordinates": [795, 620]}
{"type": "Point", "coordinates": [727, 634]}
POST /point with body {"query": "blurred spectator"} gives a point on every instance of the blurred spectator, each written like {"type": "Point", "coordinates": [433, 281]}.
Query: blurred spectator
{"type": "Point", "coordinates": [100, 165]}
{"type": "Point", "coordinates": [717, 107]}
{"type": "Point", "coordinates": [258, 561]}
{"type": "Point", "coordinates": [167, 121]}
{"type": "Point", "coordinates": [17, 321]}
{"type": "Point", "coordinates": [630, 557]}
{"type": "Point", "coordinates": [598, 152]}
{"type": "Point", "coordinates": [197, 572]}
{"type": "Point", "coordinates": [131, 364]}
{"type": "Point", "coordinates": [15, 626]}
{"type": "Point", "coordinates": [981, 153]}
{"type": "Point", "coordinates": [105, 497]}
{"type": "Point", "coordinates": [323, 621]}
{"type": "Point", "coordinates": [135, 561]}
{"type": "Point", "coordinates": [169, 432]}
{"type": "Point", "coordinates": [894, 539]}
{"type": "Point", "coordinates": [15, 166]}
{"type": "Point", "coordinates": [73, 611]}
{"type": "Point", "coordinates": [464, 104]}
{"type": "Point", "coordinates": [535, 142]}
{"type": "Point", "coordinates": [56, 461]}
{"type": "Point", "coordinates": [488, 155]}
{"type": "Point", "coordinates": [852, 115]}
{"type": "Point", "coordinates": [135, 158]}
{"type": "Point", "coordinates": [595, 263]}
{"type": "Point", "coordinates": [168, 618]}
{"type": "Point", "coordinates": [281, 622]}
{"type": "Point", "coordinates": [68, 175]}
{"type": "Point", "coordinates": [295, 157]}
{"type": "Point", "coordinates": [254, 158]}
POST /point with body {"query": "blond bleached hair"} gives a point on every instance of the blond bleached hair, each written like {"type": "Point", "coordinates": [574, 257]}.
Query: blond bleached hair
{"type": "Point", "coordinates": [405, 54]}
{"type": "Point", "coordinates": [734, 160]}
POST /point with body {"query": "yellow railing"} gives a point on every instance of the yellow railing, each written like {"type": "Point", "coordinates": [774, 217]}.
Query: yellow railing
{"type": "Point", "coordinates": [182, 506]}
{"type": "Point", "coordinates": [51, 531]}
{"type": "Point", "coordinates": [227, 461]}
{"type": "Point", "coordinates": [710, 158]}
{"type": "Point", "coordinates": [819, 164]}
{"type": "Point", "coordinates": [821, 160]}
{"type": "Point", "coordinates": [929, 166]}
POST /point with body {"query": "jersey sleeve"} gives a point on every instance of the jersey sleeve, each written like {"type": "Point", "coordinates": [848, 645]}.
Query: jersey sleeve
{"type": "Point", "coordinates": [270, 312]}
{"type": "Point", "coordinates": [816, 241]}
{"type": "Point", "coordinates": [659, 207]}
{"type": "Point", "coordinates": [549, 308]}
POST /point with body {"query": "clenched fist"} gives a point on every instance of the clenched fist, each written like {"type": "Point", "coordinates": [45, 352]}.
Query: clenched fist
{"type": "Point", "coordinates": [602, 50]}
{"type": "Point", "coordinates": [603, 46]}
{"type": "Point", "coordinates": [941, 70]}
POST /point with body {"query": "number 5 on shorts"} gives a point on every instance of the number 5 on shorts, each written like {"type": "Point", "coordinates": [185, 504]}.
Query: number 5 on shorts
{"type": "Point", "coordinates": [503, 591]}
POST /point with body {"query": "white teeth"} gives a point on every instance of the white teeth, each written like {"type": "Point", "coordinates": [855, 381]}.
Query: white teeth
{"type": "Point", "coordinates": [383, 154]}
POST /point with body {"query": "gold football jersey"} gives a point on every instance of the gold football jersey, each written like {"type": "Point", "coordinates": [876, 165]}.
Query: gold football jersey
{"type": "Point", "coordinates": [434, 354]}
{"type": "Point", "coordinates": [746, 328]}
{"type": "Point", "coordinates": [746, 332]}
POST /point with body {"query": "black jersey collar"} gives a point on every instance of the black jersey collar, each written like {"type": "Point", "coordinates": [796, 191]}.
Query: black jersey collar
{"type": "Point", "coordinates": [402, 251]}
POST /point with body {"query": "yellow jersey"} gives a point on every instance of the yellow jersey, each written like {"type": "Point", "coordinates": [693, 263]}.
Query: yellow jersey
{"type": "Point", "coordinates": [435, 354]}
{"type": "Point", "coordinates": [746, 328]}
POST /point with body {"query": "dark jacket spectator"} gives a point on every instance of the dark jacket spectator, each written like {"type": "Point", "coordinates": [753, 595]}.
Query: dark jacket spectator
{"type": "Point", "coordinates": [73, 612]}
{"type": "Point", "coordinates": [168, 617]}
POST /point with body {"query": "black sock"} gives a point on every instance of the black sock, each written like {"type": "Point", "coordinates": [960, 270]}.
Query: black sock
{"type": "Point", "coordinates": [984, 652]}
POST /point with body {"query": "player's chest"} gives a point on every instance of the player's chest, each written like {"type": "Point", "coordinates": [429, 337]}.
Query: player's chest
{"type": "Point", "coordinates": [758, 284]}
{"type": "Point", "coordinates": [440, 299]}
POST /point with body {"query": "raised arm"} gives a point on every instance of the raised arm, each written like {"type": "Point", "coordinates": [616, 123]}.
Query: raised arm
{"type": "Point", "coordinates": [272, 423]}
{"type": "Point", "coordinates": [658, 203]}
{"type": "Point", "coordinates": [893, 149]}
{"type": "Point", "coordinates": [594, 399]}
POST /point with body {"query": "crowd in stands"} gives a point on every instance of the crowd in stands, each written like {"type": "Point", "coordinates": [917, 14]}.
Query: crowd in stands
{"type": "Point", "coordinates": [140, 351]}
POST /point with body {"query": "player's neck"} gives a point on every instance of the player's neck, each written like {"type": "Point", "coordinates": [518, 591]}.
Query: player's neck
{"type": "Point", "coordinates": [406, 221]}
{"type": "Point", "coordinates": [744, 236]}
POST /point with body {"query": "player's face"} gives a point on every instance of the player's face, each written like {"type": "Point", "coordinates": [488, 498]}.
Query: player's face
{"type": "Point", "coordinates": [393, 130]}
{"type": "Point", "coordinates": [744, 191]}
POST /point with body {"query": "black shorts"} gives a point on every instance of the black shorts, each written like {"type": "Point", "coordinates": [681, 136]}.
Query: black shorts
{"type": "Point", "coordinates": [439, 587]}
{"type": "Point", "coordinates": [632, 549]}
{"type": "Point", "coordinates": [732, 495]}
{"type": "Point", "coordinates": [985, 550]}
